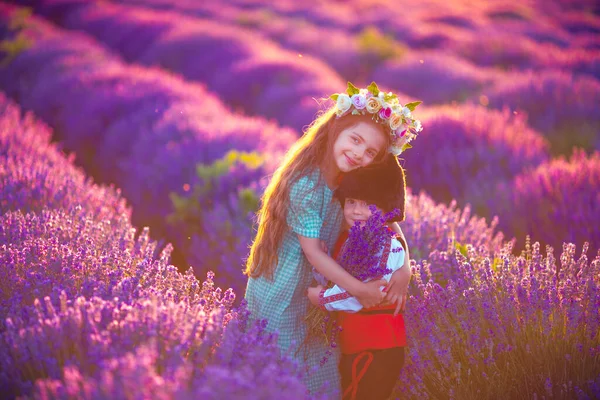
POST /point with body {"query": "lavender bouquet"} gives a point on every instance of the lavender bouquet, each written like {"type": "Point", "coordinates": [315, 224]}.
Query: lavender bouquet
{"type": "Point", "coordinates": [361, 257]}
{"type": "Point", "coordinates": [361, 253]}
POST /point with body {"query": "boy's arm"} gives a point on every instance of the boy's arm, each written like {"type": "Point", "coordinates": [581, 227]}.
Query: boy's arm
{"type": "Point", "coordinates": [337, 299]}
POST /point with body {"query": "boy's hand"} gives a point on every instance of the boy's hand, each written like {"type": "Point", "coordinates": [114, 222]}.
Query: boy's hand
{"type": "Point", "coordinates": [313, 294]}
{"type": "Point", "coordinates": [397, 289]}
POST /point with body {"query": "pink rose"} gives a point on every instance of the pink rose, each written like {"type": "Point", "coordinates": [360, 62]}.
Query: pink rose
{"type": "Point", "coordinates": [385, 113]}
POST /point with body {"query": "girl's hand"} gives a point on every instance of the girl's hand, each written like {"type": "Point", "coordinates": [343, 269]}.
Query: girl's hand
{"type": "Point", "coordinates": [313, 294]}
{"type": "Point", "coordinates": [397, 289]}
{"type": "Point", "coordinates": [370, 294]}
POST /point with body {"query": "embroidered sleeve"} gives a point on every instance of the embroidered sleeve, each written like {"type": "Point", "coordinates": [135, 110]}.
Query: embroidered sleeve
{"type": "Point", "coordinates": [395, 258]}
{"type": "Point", "coordinates": [337, 299]}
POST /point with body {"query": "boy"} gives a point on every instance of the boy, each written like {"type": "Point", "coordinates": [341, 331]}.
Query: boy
{"type": "Point", "coordinates": [371, 340]}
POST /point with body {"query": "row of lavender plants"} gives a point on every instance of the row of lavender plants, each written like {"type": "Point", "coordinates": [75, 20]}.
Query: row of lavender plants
{"type": "Point", "coordinates": [203, 207]}
{"type": "Point", "coordinates": [561, 105]}
{"type": "Point", "coordinates": [502, 326]}
{"type": "Point", "coordinates": [351, 51]}
{"type": "Point", "coordinates": [144, 130]}
{"type": "Point", "coordinates": [532, 21]}
{"type": "Point", "coordinates": [365, 35]}
{"type": "Point", "coordinates": [463, 68]}
{"type": "Point", "coordinates": [90, 308]}
{"type": "Point", "coordinates": [247, 71]}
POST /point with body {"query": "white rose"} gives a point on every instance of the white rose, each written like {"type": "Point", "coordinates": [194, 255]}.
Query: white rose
{"type": "Point", "coordinates": [343, 103]}
{"type": "Point", "coordinates": [406, 112]}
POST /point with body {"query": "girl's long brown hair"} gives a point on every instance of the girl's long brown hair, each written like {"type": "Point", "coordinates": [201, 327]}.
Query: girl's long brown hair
{"type": "Point", "coordinates": [306, 155]}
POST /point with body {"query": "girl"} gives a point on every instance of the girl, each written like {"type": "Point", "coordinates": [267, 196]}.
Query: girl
{"type": "Point", "coordinates": [371, 341]}
{"type": "Point", "coordinates": [297, 212]}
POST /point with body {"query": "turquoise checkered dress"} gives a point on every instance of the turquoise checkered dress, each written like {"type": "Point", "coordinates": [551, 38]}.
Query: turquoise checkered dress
{"type": "Point", "coordinates": [283, 301]}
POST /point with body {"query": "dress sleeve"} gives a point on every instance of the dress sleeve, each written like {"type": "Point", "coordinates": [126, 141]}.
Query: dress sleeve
{"type": "Point", "coordinates": [304, 215]}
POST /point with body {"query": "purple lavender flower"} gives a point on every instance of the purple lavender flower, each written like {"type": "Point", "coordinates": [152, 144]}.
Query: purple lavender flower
{"type": "Point", "coordinates": [365, 246]}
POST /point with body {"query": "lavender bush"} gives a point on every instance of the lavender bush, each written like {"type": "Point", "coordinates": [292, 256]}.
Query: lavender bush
{"type": "Point", "coordinates": [560, 199]}
{"type": "Point", "coordinates": [35, 174]}
{"type": "Point", "coordinates": [559, 105]}
{"type": "Point", "coordinates": [503, 50]}
{"type": "Point", "coordinates": [468, 151]}
{"type": "Point", "coordinates": [215, 216]}
{"type": "Point", "coordinates": [101, 348]}
{"type": "Point", "coordinates": [435, 232]}
{"type": "Point", "coordinates": [505, 327]}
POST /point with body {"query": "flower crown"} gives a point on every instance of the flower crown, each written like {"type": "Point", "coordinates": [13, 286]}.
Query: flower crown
{"type": "Point", "coordinates": [386, 109]}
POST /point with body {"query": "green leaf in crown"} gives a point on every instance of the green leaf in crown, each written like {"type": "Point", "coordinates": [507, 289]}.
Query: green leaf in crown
{"type": "Point", "coordinates": [406, 146]}
{"type": "Point", "coordinates": [334, 96]}
{"type": "Point", "coordinates": [413, 105]}
{"type": "Point", "coordinates": [352, 90]}
{"type": "Point", "coordinates": [373, 89]}
{"type": "Point", "coordinates": [388, 97]}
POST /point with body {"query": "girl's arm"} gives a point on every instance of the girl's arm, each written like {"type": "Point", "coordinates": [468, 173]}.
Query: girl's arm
{"type": "Point", "coordinates": [397, 289]}
{"type": "Point", "coordinates": [337, 299]}
{"type": "Point", "coordinates": [368, 294]}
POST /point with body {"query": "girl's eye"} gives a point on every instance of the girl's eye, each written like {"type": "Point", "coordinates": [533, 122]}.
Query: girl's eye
{"type": "Point", "coordinates": [355, 139]}
{"type": "Point", "coordinates": [372, 153]}
{"type": "Point", "coordinates": [350, 201]}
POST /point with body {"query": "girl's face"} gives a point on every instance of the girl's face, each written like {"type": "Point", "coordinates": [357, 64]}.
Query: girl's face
{"type": "Point", "coordinates": [357, 146]}
{"type": "Point", "coordinates": [356, 210]}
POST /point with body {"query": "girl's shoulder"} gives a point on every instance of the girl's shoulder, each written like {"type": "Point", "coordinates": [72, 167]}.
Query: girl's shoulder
{"type": "Point", "coordinates": [305, 182]}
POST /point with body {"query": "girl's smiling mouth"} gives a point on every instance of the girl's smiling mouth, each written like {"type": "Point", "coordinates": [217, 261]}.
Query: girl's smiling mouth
{"type": "Point", "coordinates": [350, 161]}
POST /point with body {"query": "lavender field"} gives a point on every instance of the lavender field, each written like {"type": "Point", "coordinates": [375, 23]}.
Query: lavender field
{"type": "Point", "coordinates": [137, 137]}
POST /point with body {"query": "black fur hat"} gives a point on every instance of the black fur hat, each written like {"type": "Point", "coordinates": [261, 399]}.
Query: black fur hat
{"type": "Point", "coordinates": [382, 184]}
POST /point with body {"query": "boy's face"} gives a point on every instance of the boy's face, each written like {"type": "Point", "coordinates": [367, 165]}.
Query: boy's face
{"type": "Point", "coordinates": [356, 210]}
